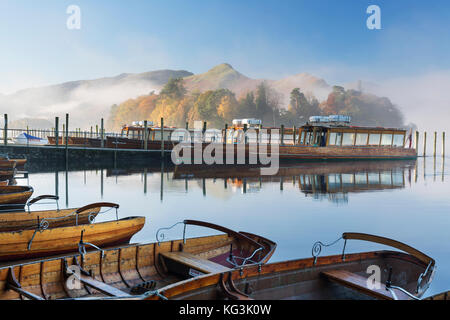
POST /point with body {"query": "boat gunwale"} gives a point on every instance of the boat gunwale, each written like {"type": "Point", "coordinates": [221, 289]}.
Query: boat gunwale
{"type": "Point", "coordinates": [208, 280]}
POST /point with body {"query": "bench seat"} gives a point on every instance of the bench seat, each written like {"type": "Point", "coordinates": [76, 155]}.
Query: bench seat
{"type": "Point", "coordinates": [194, 262]}
{"type": "Point", "coordinates": [359, 283]}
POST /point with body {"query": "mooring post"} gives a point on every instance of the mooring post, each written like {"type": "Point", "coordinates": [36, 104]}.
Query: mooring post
{"type": "Point", "coordinates": [162, 138]}
{"type": "Point", "coordinates": [102, 134]}
{"type": "Point", "coordinates": [424, 143]}
{"type": "Point", "coordinates": [96, 130]}
{"type": "Point", "coordinates": [56, 131]}
{"type": "Point", "coordinates": [145, 134]}
{"type": "Point", "coordinates": [282, 134]}
{"type": "Point", "coordinates": [5, 131]}
{"type": "Point", "coordinates": [225, 134]}
{"type": "Point", "coordinates": [293, 134]}
{"type": "Point", "coordinates": [203, 132]}
{"type": "Point", "coordinates": [67, 136]}
{"type": "Point", "coordinates": [188, 133]}
{"type": "Point", "coordinates": [417, 142]}
{"type": "Point", "coordinates": [443, 144]}
{"type": "Point", "coordinates": [434, 146]}
{"type": "Point", "coordinates": [245, 131]}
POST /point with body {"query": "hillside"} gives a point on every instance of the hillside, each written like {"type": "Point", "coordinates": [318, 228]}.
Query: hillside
{"type": "Point", "coordinates": [220, 106]}
{"type": "Point", "coordinates": [222, 76]}
{"type": "Point", "coordinates": [87, 101]}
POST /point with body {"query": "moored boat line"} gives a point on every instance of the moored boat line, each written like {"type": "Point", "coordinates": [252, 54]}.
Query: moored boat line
{"type": "Point", "coordinates": [398, 276]}
{"type": "Point", "coordinates": [132, 270]}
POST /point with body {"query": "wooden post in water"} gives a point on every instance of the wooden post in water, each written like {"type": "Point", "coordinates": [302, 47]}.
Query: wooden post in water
{"type": "Point", "coordinates": [162, 138]}
{"type": "Point", "coordinates": [203, 131]}
{"type": "Point", "coordinates": [245, 136]}
{"type": "Point", "coordinates": [417, 142]}
{"type": "Point", "coordinates": [434, 146]}
{"type": "Point", "coordinates": [5, 131]}
{"type": "Point", "coordinates": [67, 136]}
{"type": "Point", "coordinates": [56, 131]}
{"type": "Point", "coordinates": [443, 144]}
{"type": "Point", "coordinates": [294, 129]}
{"type": "Point", "coordinates": [145, 134]}
{"type": "Point", "coordinates": [225, 134]}
{"type": "Point", "coordinates": [102, 134]}
{"type": "Point", "coordinates": [96, 130]}
{"type": "Point", "coordinates": [424, 143]}
{"type": "Point", "coordinates": [282, 135]}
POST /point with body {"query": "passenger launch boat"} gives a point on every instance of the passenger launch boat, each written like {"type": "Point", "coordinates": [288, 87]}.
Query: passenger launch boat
{"type": "Point", "coordinates": [368, 275]}
{"type": "Point", "coordinates": [321, 138]}
{"type": "Point", "coordinates": [132, 271]}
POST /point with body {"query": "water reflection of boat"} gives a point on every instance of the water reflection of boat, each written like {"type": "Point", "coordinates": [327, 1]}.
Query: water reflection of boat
{"type": "Point", "coordinates": [286, 169]}
{"type": "Point", "coordinates": [332, 181]}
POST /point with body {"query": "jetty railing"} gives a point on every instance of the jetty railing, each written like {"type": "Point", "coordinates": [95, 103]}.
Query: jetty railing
{"type": "Point", "coordinates": [61, 135]}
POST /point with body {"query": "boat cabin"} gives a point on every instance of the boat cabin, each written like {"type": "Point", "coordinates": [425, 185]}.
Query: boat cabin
{"type": "Point", "coordinates": [339, 133]}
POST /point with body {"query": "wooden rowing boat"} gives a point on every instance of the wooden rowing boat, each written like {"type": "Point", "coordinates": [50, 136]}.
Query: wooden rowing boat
{"type": "Point", "coordinates": [7, 164]}
{"type": "Point", "coordinates": [4, 183]}
{"type": "Point", "coordinates": [41, 242]}
{"type": "Point", "coordinates": [14, 197]}
{"type": "Point", "coordinates": [440, 296]}
{"type": "Point", "coordinates": [379, 275]}
{"type": "Point", "coordinates": [7, 174]}
{"type": "Point", "coordinates": [23, 220]}
{"type": "Point", "coordinates": [129, 271]}
{"type": "Point", "coordinates": [20, 163]}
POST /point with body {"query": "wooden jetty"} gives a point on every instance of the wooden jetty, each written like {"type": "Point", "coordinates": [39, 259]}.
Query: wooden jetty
{"type": "Point", "coordinates": [132, 270]}
{"type": "Point", "coordinates": [402, 275]}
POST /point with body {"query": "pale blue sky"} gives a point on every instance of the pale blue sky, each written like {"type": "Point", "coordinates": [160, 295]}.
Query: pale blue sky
{"type": "Point", "coordinates": [269, 39]}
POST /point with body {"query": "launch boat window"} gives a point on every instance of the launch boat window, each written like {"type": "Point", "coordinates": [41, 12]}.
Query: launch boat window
{"type": "Point", "coordinates": [374, 139]}
{"type": "Point", "coordinates": [335, 138]}
{"type": "Point", "coordinates": [348, 139]}
{"type": "Point", "coordinates": [361, 139]}
{"type": "Point", "coordinates": [398, 140]}
{"type": "Point", "coordinates": [386, 139]}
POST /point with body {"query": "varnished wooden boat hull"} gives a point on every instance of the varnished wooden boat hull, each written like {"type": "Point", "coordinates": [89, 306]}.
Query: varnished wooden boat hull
{"type": "Point", "coordinates": [16, 245]}
{"type": "Point", "coordinates": [4, 183]}
{"type": "Point", "coordinates": [76, 141]}
{"type": "Point", "coordinates": [445, 296]}
{"type": "Point", "coordinates": [300, 279]}
{"type": "Point", "coordinates": [20, 163]}
{"type": "Point", "coordinates": [22, 220]}
{"type": "Point", "coordinates": [7, 174]}
{"type": "Point", "coordinates": [120, 268]}
{"type": "Point", "coordinates": [7, 164]}
{"type": "Point", "coordinates": [390, 275]}
{"type": "Point", "coordinates": [14, 197]}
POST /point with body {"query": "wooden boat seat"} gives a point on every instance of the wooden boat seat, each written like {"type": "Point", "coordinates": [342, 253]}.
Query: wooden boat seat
{"type": "Point", "coordinates": [103, 287]}
{"type": "Point", "coordinates": [359, 283]}
{"type": "Point", "coordinates": [192, 261]}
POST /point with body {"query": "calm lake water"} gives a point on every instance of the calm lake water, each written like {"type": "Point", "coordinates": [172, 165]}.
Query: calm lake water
{"type": "Point", "coordinates": [405, 200]}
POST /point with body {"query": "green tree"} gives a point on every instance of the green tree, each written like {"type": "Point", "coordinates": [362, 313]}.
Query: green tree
{"type": "Point", "coordinates": [174, 89]}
